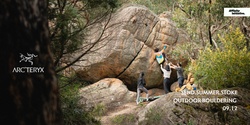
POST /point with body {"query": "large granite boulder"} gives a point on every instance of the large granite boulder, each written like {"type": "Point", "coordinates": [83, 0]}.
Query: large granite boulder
{"type": "Point", "coordinates": [127, 45]}
{"type": "Point", "coordinates": [108, 92]}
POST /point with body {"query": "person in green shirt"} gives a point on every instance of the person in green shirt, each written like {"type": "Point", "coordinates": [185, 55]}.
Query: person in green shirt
{"type": "Point", "coordinates": [160, 55]}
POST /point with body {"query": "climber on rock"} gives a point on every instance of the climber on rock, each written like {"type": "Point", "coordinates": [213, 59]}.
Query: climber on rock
{"type": "Point", "coordinates": [160, 55]}
{"type": "Point", "coordinates": [140, 87]}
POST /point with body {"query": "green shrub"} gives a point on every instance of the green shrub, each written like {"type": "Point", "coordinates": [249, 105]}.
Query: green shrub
{"type": "Point", "coordinates": [99, 110]}
{"type": "Point", "coordinates": [228, 66]}
{"type": "Point", "coordinates": [157, 6]}
{"type": "Point", "coordinates": [73, 113]}
{"type": "Point", "coordinates": [154, 116]}
{"type": "Point", "coordinates": [185, 51]}
{"type": "Point", "coordinates": [124, 119]}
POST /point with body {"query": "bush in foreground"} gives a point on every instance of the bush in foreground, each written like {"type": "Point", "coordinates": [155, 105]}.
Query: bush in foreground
{"type": "Point", "coordinates": [228, 66]}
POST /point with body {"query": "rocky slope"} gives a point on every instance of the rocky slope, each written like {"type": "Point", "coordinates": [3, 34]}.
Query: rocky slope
{"type": "Point", "coordinates": [120, 107]}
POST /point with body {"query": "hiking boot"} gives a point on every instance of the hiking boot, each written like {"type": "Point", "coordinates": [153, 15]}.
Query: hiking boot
{"type": "Point", "coordinates": [137, 103]}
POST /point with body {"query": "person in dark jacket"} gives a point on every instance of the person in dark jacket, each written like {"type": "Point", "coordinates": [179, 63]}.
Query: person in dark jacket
{"type": "Point", "coordinates": [180, 74]}
{"type": "Point", "coordinates": [140, 87]}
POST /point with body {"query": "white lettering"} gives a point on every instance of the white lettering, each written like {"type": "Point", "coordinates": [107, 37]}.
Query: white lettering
{"type": "Point", "coordinates": [18, 70]}
{"type": "Point", "coordinates": [205, 100]}
{"type": "Point", "coordinates": [229, 92]}
{"type": "Point", "coordinates": [28, 70]}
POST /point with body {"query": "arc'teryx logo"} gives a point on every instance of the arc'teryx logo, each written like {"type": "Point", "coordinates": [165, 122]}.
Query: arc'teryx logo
{"type": "Point", "coordinates": [27, 58]}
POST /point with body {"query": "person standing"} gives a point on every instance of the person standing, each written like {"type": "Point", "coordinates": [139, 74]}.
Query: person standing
{"type": "Point", "coordinates": [180, 75]}
{"type": "Point", "coordinates": [140, 87]}
{"type": "Point", "coordinates": [166, 75]}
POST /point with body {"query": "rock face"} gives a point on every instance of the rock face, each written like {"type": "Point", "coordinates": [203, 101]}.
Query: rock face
{"type": "Point", "coordinates": [126, 47]}
{"type": "Point", "coordinates": [109, 92]}
{"type": "Point", "coordinates": [113, 97]}
{"type": "Point", "coordinates": [120, 104]}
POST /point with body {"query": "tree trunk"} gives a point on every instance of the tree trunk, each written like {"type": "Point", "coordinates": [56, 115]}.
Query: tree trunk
{"type": "Point", "coordinates": [27, 96]}
{"type": "Point", "coordinates": [246, 31]}
{"type": "Point", "coordinates": [209, 24]}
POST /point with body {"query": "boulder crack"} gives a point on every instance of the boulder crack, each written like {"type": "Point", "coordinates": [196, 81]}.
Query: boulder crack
{"type": "Point", "coordinates": [136, 53]}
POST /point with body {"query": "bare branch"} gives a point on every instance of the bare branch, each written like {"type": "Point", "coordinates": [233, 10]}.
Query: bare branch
{"type": "Point", "coordinates": [90, 48]}
{"type": "Point", "coordinates": [182, 9]}
{"type": "Point", "coordinates": [215, 44]}
{"type": "Point", "coordinates": [218, 27]}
